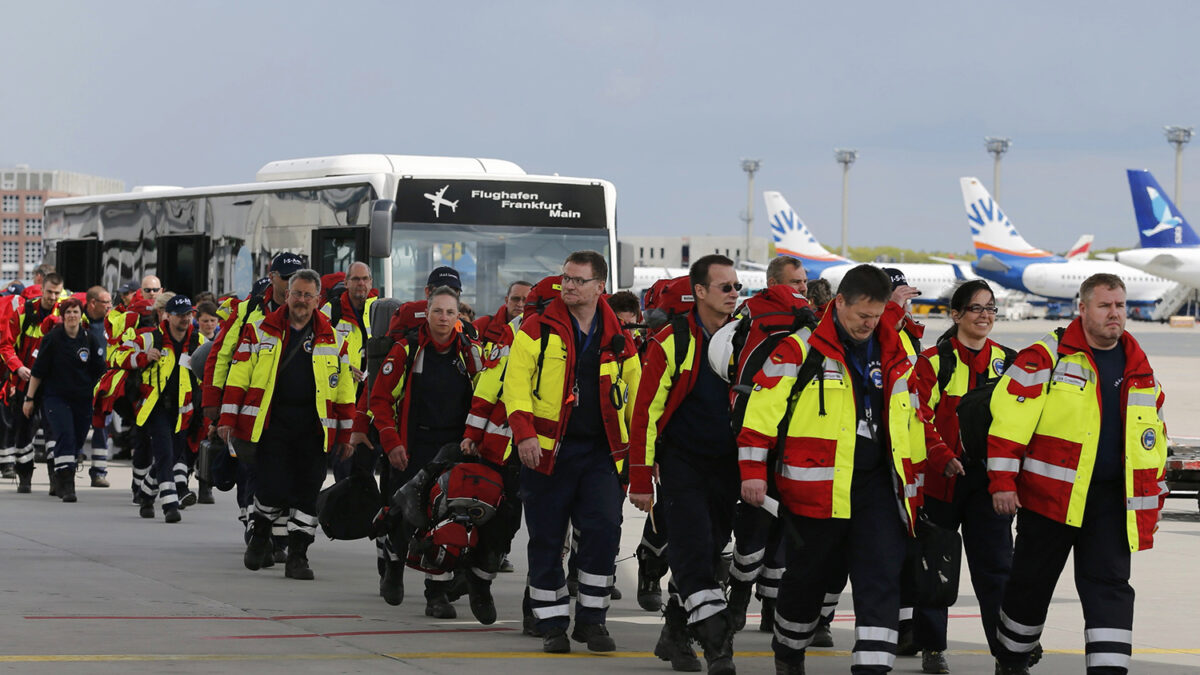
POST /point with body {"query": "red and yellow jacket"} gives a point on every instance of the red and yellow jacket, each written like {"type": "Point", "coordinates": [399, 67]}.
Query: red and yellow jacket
{"type": "Point", "coordinates": [237, 313]}
{"type": "Point", "coordinates": [941, 405]}
{"type": "Point", "coordinates": [816, 464]}
{"type": "Point", "coordinates": [1046, 427]}
{"type": "Point", "coordinates": [659, 395]}
{"type": "Point", "coordinates": [487, 424]}
{"type": "Point", "coordinates": [391, 397]}
{"type": "Point", "coordinates": [133, 355]}
{"type": "Point", "coordinates": [539, 400]}
{"type": "Point", "coordinates": [22, 335]}
{"type": "Point", "coordinates": [246, 404]}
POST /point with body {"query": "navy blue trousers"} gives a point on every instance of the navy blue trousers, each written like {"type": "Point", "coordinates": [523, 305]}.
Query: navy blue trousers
{"type": "Point", "coordinates": [583, 491]}
{"type": "Point", "coordinates": [67, 421]}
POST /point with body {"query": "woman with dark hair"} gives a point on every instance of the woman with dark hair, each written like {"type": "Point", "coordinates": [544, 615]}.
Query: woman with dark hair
{"type": "Point", "coordinates": [69, 362]}
{"type": "Point", "coordinates": [956, 488]}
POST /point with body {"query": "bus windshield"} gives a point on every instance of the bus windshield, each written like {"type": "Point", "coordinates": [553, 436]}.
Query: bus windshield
{"type": "Point", "coordinates": [487, 257]}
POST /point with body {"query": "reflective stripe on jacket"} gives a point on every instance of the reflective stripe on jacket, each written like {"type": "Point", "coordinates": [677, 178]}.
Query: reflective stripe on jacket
{"type": "Point", "coordinates": [1046, 429]}
{"type": "Point", "coordinates": [133, 355]}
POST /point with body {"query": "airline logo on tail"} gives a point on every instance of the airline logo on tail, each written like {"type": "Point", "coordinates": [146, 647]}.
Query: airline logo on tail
{"type": "Point", "coordinates": [1160, 225]}
{"type": "Point", "coordinates": [990, 228]}
{"type": "Point", "coordinates": [1162, 211]}
{"type": "Point", "coordinates": [792, 237]}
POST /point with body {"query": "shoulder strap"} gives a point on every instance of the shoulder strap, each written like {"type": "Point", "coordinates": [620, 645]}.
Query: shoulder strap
{"type": "Point", "coordinates": [545, 342]}
{"type": "Point", "coordinates": [947, 359]}
{"type": "Point", "coordinates": [681, 333]}
{"type": "Point", "coordinates": [812, 367]}
{"type": "Point", "coordinates": [27, 319]}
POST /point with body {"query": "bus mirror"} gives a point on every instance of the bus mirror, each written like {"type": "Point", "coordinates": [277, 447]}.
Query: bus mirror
{"type": "Point", "coordinates": [383, 213]}
{"type": "Point", "coordinates": [624, 264]}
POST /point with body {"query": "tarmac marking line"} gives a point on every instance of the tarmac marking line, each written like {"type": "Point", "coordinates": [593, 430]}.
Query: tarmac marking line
{"type": "Point", "coordinates": [196, 618]}
{"type": "Point", "coordinates": [100, 658]}
{"type": "Point", "coordinates": [357, 632]}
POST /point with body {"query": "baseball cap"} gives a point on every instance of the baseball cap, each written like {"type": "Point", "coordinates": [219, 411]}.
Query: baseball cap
{"type": "Point", "coordinates": [286, 264]}
{"type": "Point", "coordinates": [260, 286]}
{"type": "Point", "coordinates": [444, 276]}
{"type": "Point", "coordinates": [14, 288]}
{"type": "Point", "coordinates": [180, 304]}
{"type": "Point", "coordinates": [128, 287]}
{"type": "Point", "coordinates": [897, 277]}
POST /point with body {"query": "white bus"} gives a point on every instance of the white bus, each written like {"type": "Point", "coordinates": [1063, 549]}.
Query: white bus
{"type": "Point", "coordinates": [404, 215]}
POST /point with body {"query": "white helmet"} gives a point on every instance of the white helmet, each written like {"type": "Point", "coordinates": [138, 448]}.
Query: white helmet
{"type": "Point", "coordinates": [720, 350]}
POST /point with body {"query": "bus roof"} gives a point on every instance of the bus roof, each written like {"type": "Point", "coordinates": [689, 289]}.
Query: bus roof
{"type": "Point", "coordinates": [343, 165]}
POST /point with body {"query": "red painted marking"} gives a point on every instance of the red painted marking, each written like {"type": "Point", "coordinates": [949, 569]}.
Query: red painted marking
{"type": "Point", "coordinates": [201, 618]}
{"type": "Point", "coordinates": [850, 617]}
{"type": "Point", "coordinates": [358, 632]}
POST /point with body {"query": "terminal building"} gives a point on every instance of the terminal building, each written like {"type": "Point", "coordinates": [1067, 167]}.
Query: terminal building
{"type": "Point", "coordinates": [23, 191]}
{"type": "Point", "coordinates": [680, 251]}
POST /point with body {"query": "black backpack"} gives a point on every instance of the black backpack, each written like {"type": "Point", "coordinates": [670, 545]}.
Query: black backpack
{"type": "Point", "coordinates": [975, 407]}
{"type": "Point", "coordinates": [346, 510]}
{"type": "Point", "coordinates": [932, 564]}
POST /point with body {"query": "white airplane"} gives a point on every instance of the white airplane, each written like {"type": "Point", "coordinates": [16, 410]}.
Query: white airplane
{"type": "Point", "coordinates": [439, 201]}
{"type": "Point", "coordinates": [1082, 248]}
{"type": "Point", "coordinates": [1170, 247]}
{"type": "Point", "coordinates": [1004, 257]}
{"type": "Point", "coordinates": [936, 281]}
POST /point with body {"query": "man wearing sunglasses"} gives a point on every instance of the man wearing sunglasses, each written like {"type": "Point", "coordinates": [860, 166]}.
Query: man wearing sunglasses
{"type": "Point", "coordinates": [681, 428]}
{"type": "Point", "coordinates": [572, 371]}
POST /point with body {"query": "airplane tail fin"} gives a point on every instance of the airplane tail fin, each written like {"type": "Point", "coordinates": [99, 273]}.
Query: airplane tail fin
{"type": "Point", "coordinates": [991, 230]}
{"type": "Point", "coordinates": [791, 235]}
{"type": "Point", "coordinates": [1082, 248]}
{"type": "Point", "coordinates": [1160, 225]}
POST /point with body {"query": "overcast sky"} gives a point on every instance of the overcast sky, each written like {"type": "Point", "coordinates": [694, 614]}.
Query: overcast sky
{"type": "Point", "coordinates": [662, 98]}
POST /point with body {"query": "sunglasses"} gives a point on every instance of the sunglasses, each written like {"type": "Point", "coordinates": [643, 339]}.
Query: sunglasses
{"type": "Point", "coordinates": [729, 288]}
{"type": "Point", "coordinates": [152, 290]}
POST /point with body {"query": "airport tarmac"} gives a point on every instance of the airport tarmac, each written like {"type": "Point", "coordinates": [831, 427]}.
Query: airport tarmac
{"type": "Point", "coordinates": [92, 588]}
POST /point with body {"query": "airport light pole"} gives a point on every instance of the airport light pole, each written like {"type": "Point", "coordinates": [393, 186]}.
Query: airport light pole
{"type": "Point", "coordinates": [845, 157]}
{"type": "Point", "coordinates": [1179, 137]}
{"type": "Point", "coordinates": [997, 146]}
{"type": "Point", "coordinates": [751, 167]}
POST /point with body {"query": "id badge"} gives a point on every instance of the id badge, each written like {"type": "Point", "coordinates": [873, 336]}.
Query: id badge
{"type": "Point", "coordinates": [185, 361]}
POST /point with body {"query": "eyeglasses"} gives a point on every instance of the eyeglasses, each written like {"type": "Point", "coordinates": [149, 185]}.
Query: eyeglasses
{"type": "Point", "coordinates": [300, 295]}
{"type": "Point", "coordinates": [152, 290]}
{"type": "Point", "coordinates": [576, 281]}
{"type": "Point", "coordinates": [982, 309]}
{"type": "Point", "coordinates": [729, 288]}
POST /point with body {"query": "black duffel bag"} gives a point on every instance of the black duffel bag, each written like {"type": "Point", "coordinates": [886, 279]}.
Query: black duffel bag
{"type": "Point", "coordinates": [931, 567]}
{"type": "Point", "coordinates": [346, 510]}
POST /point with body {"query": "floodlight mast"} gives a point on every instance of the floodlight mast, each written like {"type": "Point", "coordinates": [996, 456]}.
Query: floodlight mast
{"type": "Point", "coordinates": [751, 167]}
{"type": "Point", "coordinates": [845, 157]}
{"type": "Point", "coordinates": [1179, 137]}
{"type": "Point", "coordinates": [997, 146]}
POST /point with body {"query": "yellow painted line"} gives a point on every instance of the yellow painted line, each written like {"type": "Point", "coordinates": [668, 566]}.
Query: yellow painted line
{"type": "Point", "coordinates": [102, 658]}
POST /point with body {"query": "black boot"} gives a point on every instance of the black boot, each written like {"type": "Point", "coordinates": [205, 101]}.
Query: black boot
{"type": "Point", "coordinates": [739, 600]}
{"type": "Point", "coordinates": [53, 480]}
{"type": "Point", "coordinates": [8, 471]}
{"type": "Point", "coordinates": [206, 495]}
{"type": "Point", "coordinates": [65, 479]}
{"type": "Point", "coordinates": [767, 623]}
{"type": "Point", "coordinates": [146, 510]}
{"type": "Point", "coordinates": [296, 565]}
{"type": "Point", "coordinates": [391, 584]}
{"type": "Point", "coordinates": [483, 607]}
{"type": "Point", "coordinates": [675, 643]}
{"type": "Point", "coordinates": [715, 635]}
{"type": "Point", "coordinates": [24, 478]}
{"type": "Point", "coordinates": [259, 546]}
{"type": "Point", "coordinates": [785, 668]}
{"type": "Point", "coordinates": [651, 569]}
{"type": "Point", "coordinates": [1011, 669]}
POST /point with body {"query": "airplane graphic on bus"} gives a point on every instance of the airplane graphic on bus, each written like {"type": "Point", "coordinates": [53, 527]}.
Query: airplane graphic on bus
{"type": "Point", "coordinates": [439, 201]}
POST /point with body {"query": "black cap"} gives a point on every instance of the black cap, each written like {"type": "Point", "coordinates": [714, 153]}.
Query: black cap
{"type": "Point", "coordinates": [444, 276]}
{"type": "Point", "coordinates": [260, 286]}
{"type": "Point", "coordinates": [128, 287]}
{"type": "Point", "coordinates": [15, 288]}
{"type": "Point", "coordinates": [896, 276]}
{"type": "Point", "coordinates": [180, 304]}
{"type": "Point", "coordinates": [286, 264]}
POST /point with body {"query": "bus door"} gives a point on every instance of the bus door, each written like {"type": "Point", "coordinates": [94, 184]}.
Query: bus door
{"type": "Point", "coordinates": [79, 263]}
{"type": "Point", "coordinates": [334, 248]}
{"type": "Point", "coordinates": [183, 262]}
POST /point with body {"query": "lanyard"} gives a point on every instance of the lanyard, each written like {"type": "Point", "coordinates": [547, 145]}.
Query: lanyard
{"type": "Point", "coordinates": [869, 386]}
